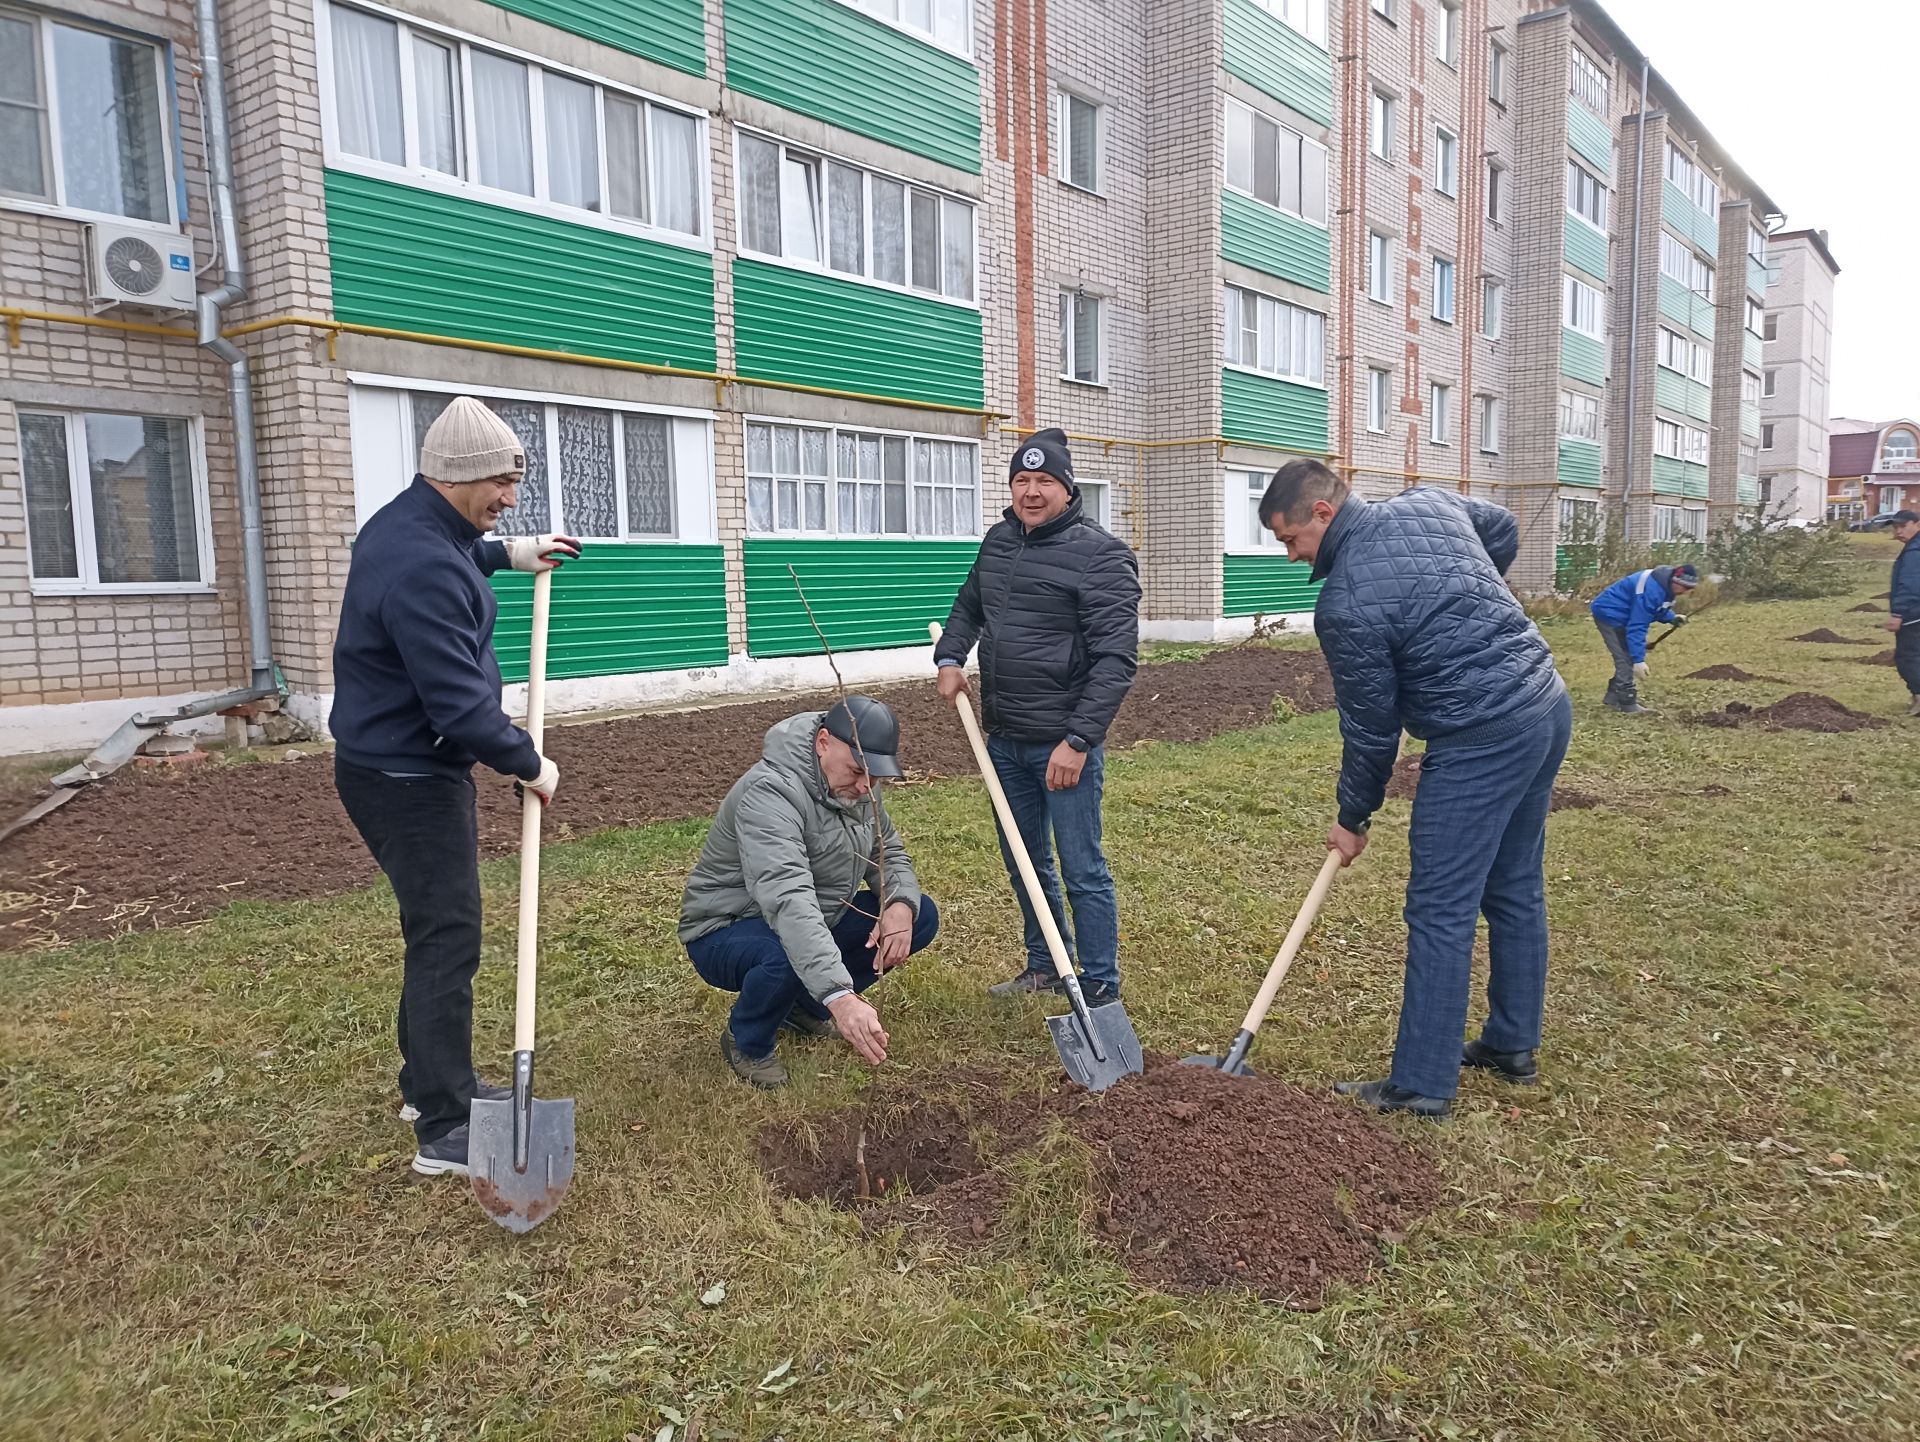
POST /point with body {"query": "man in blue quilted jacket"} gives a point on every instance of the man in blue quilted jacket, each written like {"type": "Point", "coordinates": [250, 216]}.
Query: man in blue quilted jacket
{"type": "Point", "coordinates": [1422, 635]}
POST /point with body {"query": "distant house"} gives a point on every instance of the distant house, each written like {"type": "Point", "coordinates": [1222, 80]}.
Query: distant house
{"type": "Point", "coordinates": [1873, 468]}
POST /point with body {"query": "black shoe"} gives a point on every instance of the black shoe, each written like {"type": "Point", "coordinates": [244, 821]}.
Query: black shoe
{"type": "Point", "coordinates": [805, 1024]}
{"type": "Point", "coordinates": [482, 1092]}
{"type": "Point", "coordinates": [1384, 1096]}
{"type": "Point", "coordinates": [1100, 993]}
{"type": "Point", "coordinates": [1510, 1066]}
{"type": "Point", "coordinates": [1028, 981]}
{"type": "Point", "coordinates": [446, 1157]}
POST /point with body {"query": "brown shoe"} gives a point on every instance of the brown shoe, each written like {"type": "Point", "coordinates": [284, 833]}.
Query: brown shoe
{"type": "Point", "coordinates": [768, 1072]}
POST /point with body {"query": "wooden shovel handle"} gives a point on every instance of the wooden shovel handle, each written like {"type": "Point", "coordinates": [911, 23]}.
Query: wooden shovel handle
{"type": "Point", "coordinates": [1056, 944]}
{"type": "Point", "coordinates": [528, 961]}
{"type": "Point", "coordinates": [1290, 948]}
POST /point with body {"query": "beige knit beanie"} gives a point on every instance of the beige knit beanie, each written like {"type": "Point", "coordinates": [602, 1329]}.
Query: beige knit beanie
{"type": "Point", "coordinates": [470, 443]}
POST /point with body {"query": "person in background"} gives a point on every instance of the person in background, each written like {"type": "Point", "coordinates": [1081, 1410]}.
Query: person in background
{"type": "Point", "coordinates": [1624, 611]}
{"type": "Point", "coordinates": [1903, 601]}
{"type": "Point", "coordinates": [416, 703]}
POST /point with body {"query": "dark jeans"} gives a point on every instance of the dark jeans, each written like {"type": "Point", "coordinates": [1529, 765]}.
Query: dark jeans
{"type": "Point", "coordinates": [424, 833]}
{"type": "Point", "coordinates": [1906, 654]}
{"type": "Point", "coordinates": [1621, 690]}
{"type": "Point", "coordinates": [1478, 840]}
{"type": "Point", "coordinates": [1068, 819]}
{"type": "Point", "coordinates": [747, 957]}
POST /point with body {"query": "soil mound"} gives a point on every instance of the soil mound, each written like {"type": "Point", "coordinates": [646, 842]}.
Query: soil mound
{"type": "Point", "coordinates": [277, 832]}
{"type": "Point", "coordinates": [1832, 638]}
{"type": "Point", "coordinates": [1201, 1181]}
{"type": "Point", "coordinates": [1725, 673]}
{"type": "Point", "coordinates": [1869, 606]}
{"type": "Point", "coordinates": [1405, 782]}
{"type": "Point", "coordinates": [1879, 658]}
{"type": "Point", "coordinates": [1802, 711]}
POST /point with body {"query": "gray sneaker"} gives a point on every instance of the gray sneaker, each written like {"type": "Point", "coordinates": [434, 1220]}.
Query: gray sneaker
{"type": "Point", "coordinates": [444, 1157]}
{"type": "Point", "coordinates": [1914, 709]}
{"type": "Point", "coordinates": [482, 1091]}
{"type": "Point", "coordinates": [1027, 982]}
{"type": "Point", "coordinates": [768, 1072]}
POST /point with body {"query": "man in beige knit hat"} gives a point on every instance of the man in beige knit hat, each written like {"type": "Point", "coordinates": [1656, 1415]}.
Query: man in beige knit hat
{"type": "Point", "coordinates": [416, 704]}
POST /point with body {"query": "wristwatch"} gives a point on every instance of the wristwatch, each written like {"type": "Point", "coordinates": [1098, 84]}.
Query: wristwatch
{"type": "Point", "coordinates": [1080, 744]}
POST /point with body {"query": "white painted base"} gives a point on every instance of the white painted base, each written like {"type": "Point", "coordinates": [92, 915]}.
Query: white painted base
{"type": "Point", "coordinates": [79, 726]}
{"type": "Point", "coordinates": [1223, 628]}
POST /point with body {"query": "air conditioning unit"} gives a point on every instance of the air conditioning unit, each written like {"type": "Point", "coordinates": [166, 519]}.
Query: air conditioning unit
{"type": "Point", "coordinates": [130, 266]}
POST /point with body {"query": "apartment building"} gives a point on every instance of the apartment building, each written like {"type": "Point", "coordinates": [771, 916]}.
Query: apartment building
{"type": "Point", "coordinates": [770, 288]}
{"type": "Point", "coordinates": [1796, 346]}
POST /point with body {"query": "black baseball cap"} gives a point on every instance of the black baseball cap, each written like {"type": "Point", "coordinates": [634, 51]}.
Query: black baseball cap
{"type": "Point", "coordinates": [871, 729]}
{"type": "Point", "coordinates": [1901, 518]}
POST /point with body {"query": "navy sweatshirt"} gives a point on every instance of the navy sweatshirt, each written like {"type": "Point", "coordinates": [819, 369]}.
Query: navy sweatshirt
{"type": "Point", "coordinates": [416, 683]}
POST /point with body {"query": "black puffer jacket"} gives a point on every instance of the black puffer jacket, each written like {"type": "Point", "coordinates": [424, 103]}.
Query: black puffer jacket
{"type": "Point", "coordinates": [1056, 613]}
{"type": "Point", "coordinates": [1422, 635]}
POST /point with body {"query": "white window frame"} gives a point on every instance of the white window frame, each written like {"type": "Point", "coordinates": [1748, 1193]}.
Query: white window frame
{"type": "Point", "coordinates": [1699, 446]}
{"type": "Point", "coordinates": [1064, 167]}
{"type": "Point", "coordinates": [876, 10]}
{"type": "Point", "coordinates": [1379, 400]}
{"type": "Point", "coordinates": [1669, 439]}
{"type": "Point", "coordinates": [1233, 302]}
{"type": "Point", "coordinates": [1769, 382]}
{"type": "Point", "coordinates": [1383, 117]}
{"type": "Point", "coordinates": [1770, 321]}
{"type": "Point", "coordinates": [1380, 267]}
{"type": "Point", "coordinates": [1245, 535]}
{"type": "Point", "coordinates": [1907, 452]}
{"type": "Point", "coordinates": [1287, 133]}
{"type": "Point", "coordinates": [1446, 161]}
{"type": "Point", "coordinates": [53, 155]}
{"type": "Point", "coordinates": [1757, 245]}
{"type": "Point", "coordinates": [1446, 34]}
{"type": "Point", "coordinates": [1582, 307]}
{"type": "Point", "coordinates": [824, 266]}
{"type": "Point", "coordinates": [423, 177]}
{"type": "Point", "coordinates": [834, 479]}
{"type": "Point", "coordinates": [1492, 421]}
{"type": "Point", "coordinates": [1445, 284]}
{"type": "Point", "coordinates": [1749, 388]}
{"type": "Point", "coordinates": [85, 538]}
{"type": "Point", "coordinates": [1588, 82]}
{"type": "Point", "coordinates": [1679, 262]}
{"type": "Point", "coordinates": [1575, 509]}
{"type": "Point", "coordinates": [1384, 9]}
{"type": "Point", "coordinates": [1100, 493]}
{"type": "Point", "coordinates": [1579, 414]}
{"type": "Point", "coordinates": [695, 507]}
{"type": "Point", "coordinates": [1439, 412]}
{"type": "Point", "coordinates": [1497, 58]}
{"type": "Point", "coordinates": [1496, 192]}
{"type": "Point", "coordinates": [1069, 355]}
{"type": "Point", "coordinates": [1304, 17]}
{"type": "Point", "coordinates": [1692, 181]}
{"type": "Point", "coordinates": [1581, 180]}
{"type": "Point", "coordinates": [1493, 308]}
{"type": "Point", "coordinates": [1756, 319]}
{"type": "Point", "coordinates": [1766, 435]}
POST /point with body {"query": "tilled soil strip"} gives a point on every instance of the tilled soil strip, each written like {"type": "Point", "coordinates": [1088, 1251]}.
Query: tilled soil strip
{"type": "Point", "coordinates": [152, 848]}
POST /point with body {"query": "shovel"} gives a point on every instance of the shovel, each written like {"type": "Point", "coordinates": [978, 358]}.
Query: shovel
{"type": "Point", "coordinates": [1234, 1063]}
{"type": "Point", "coordinates": [1096, 1044]}
{"type": "Point", "coordinates": [520, 1151]}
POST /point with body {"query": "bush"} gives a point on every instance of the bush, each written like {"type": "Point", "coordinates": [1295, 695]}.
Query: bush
{"type": "Point", "coordinates": [1767, 560]}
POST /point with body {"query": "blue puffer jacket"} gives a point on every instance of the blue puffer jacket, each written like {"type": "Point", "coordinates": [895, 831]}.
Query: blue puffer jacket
{"type": "Point", "coordinates": [1635, 602]}
{"type": "Point", "coordinates": [1903, 600]}
{"type": "Point", "coordinates": [1422, 635]}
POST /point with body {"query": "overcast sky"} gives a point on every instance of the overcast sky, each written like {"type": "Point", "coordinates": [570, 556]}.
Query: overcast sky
{"type": "Point", "coordinates": [1816, 103]}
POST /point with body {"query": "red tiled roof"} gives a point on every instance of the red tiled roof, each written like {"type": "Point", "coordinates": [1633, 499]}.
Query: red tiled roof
{"type": "Point", "coordinates": [1852, 455]}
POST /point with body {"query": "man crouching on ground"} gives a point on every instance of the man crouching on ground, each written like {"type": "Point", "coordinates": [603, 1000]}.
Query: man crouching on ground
{"type": "Point", "coordinates": [784, 906]}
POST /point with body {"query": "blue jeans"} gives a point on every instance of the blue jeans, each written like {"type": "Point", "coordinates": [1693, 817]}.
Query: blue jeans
{"type": "Point", "coordinates": [747, 957]}
{"type": "Point", "coordinates": [1073, 819]}
{"type": "Point", "coordinates": [1478, 840]}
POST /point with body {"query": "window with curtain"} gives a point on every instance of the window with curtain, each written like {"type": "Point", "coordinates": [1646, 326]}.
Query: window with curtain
{"type": "Point", "coordinates": [1270, 336]}
{"type": "Point", "coordinates": [824, 480]}
{"type": "Point", "coordinates": [113, 501]}
{"type": "Point", "coordinates": [1275, 165]}
{"type": "Point", "coordinates": [1244, 489]}
{"type": "Point", "coordinates": [608, 152]}
{"type": "Point", "coordinates": [821, 212]}
{"type": "Point", "coordinates": [98, 100]}
{"type": "Point", "coordinates": [1080, 122]}
{"type": "Point", "coordinates": [1081, 341]}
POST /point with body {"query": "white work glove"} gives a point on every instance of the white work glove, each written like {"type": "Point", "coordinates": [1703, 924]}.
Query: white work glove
{"type": "Point", "coordinates": [1641, 670]}
{"type": "Point", "coordinates": [547, 782]}
{"type": "Point", "coordinates": [541, 553]}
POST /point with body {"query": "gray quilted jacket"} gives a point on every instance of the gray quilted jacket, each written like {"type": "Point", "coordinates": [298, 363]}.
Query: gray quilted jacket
{"type": "Point", "coordinates": [786, 849]}
{"type": "Point", "coordinates": [1421, 633]}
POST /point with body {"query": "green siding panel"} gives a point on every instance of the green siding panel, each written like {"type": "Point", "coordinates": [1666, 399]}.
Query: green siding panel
{"type": "Point", "coordinates": [1693, 481]}
{"type": "Point", "coordinates": [1587, 133]}
{"type": "Point", "coordinates": [1756, 276]}
{"type": "Point", "coordinates": [1686, 308]}
{"type": "Point", "coordinates": [1669, 476]}
{"type": "Point", "coordinates": [1747, 491]}
{"type": "Point", "coordinates": [1699, 401]}
{"type": "Point", "coordinates": [1274, 242]}
{"type": "Point", "coordinates": [674, 32]}
{"type": "Point", "coordinates": [1579, 464]}
{"type": "Point", "coordinates": [1265, 586]}
{"type": "Point", "coordinates": [819, 330]}
{"type": "Point", "coordinates": [1267, 412]}
{"type": "Point", "coordinates": [1586, 248]}
{"type": "Point", "coordinates": [1689, 219]}
{"type": "Point", "coordinates": [1582, 357]}
{"type": "Point", "coordinates": [1669, 388]}
{"type": "Point", "coordinates": [1750, 421]}
{"type": "Point", "coordinates": [1274, 57]}
{"type": "Point", "coordinates": [621, 609]}
{"type": "Point", "coordinates": [865, 593]}
{"type": "Point", "coordinates": [1574, 564]}
{"type": "Point", "coordinates": [1750, 348]}
{"type": "Point", "coordinates": [829, 61]}
{"type": "Point", "coordinates": [417, 260]}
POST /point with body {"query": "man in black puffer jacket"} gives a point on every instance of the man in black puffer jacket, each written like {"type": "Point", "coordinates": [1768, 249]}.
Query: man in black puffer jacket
{"type": "Point", "coordinates": [1054, 602]}
{"type": "Point", "coordinates": [1422, 635]}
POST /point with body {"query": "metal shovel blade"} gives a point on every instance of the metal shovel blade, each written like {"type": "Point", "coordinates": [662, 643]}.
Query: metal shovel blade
{"type": "Point", "coordinates": [520, 1153]}
{"type": "Point", "coordinates": [1234, 1063]}
{"type": "Point", "coordinates": [1099, 1058]}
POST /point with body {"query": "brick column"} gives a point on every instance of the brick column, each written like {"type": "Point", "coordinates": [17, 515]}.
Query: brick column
{"type": "Point", "coordinates": [1630, 476]}
{"type": "Point", "coordinates": [1729, 332]}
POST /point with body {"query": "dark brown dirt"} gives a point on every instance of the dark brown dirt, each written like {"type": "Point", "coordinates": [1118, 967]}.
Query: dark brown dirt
{"type": "Point", "coordinates": [1726, 673]}
{"type": "Point", "coordinates": [1201, 1181]}
{"type": "Point", "coordinates": [1869, 606]}
{"type": "Point", "coordinates": [1879, 658]}
{"type": "Point", "coordinates": [1802, 711]}
{"type": "Point", "coordinates": [1405, 782]}
{"type": "Point", "coordinates": [1831, 638]}
{"type": "Point", "coordinates": [148, 848]}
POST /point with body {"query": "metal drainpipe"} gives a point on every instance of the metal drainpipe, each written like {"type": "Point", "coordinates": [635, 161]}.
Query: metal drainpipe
{"type": "Point", "coordinates": [239, 375]}
{"type": "Point", "coordinates": [1633, 302]}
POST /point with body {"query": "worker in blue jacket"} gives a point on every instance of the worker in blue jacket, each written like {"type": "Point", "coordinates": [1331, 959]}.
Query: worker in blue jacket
{"type": "Point", "coordinates": [416, 703]}
{"type": "Point", "coordinates": [1624, 611]}
{"type": "Point", "coordinates": [1903, 601]}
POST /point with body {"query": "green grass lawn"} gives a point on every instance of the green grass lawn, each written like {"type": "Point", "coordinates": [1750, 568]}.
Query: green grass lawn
{"type": "Point", "coordinates": [1702, 1227]}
